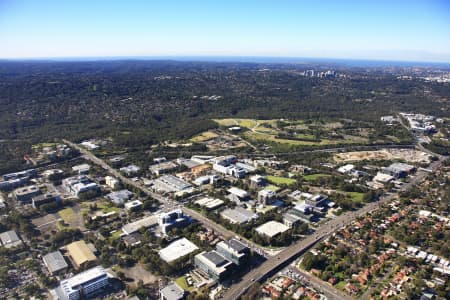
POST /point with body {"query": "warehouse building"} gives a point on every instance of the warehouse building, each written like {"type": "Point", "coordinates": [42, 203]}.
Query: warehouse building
{"type": "Point", "coordinates": [80, 254]}
{"type": "Point", "coordinates": [177, 249]}
{"type": "Point", "coordinates": [271, 229]}
{"type": "Point", "coordinates": [10, 239]}
{"type": "Point", "coordinates": [55, 262]}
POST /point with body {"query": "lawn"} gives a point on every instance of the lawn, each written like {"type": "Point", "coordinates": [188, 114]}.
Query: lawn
{"type": "Point", "coordinates": [68, 215]}
{"type": "Point", "coordinates": [182, 283]}
{"type": "Point", "coordinates": [272, 188]}
{"type": "Point", "coordinates": [355, 196]}
{"type": "Point", "coordinates": [107, 207]}
{"type": "Point", "coordinates": [204, 136]}
{"type": "Point", "coordinates": [313, 177]}
{"type": "Point", "coordinates": [281, 180]}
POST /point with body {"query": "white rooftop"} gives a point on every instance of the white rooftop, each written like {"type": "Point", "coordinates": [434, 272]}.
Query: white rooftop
{"type": "Point", "coordinates": [83, 277]}
{"type": "Point", "coordinates": [209, 202]}
{"type": "Point", "coordinates": [177, 249]}
{"type": "Point", "coordinates": [144, 222]}
{"type": "Point", "coordinates": [238, 192]}
{"type": "Point", "coordinates": [272, 228]}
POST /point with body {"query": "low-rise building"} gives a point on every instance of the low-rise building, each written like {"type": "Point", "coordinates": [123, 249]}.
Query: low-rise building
{"type": "Point", "coordinates": [81, 169]}
{"type": "Point", "coordinates": [237, 194]}
{"type": "Point", "coordinates": [130, 170]}
{"type": "Point", "coordinates": [145, 222]}
{"type": "Point", "coordinates": [112, 182]}
{"type": "Point", "coordinates": [238, 215]}
{"type": "Point", "coordinates": [172, 292]}
{"type": "Point", "coordinates": [133, 205]}
{"type": "Point", "coordinates": [271, 229]}
{"type": "Point", "coordinates": [266, 196]}
{"type": "Point", "coordinates": [10, 239]}
{"type": "Point", "coordinates": [46, 198]}
{"type": "Point", "coordinates": [317, 200]}
{"type": "Point", "coordinates": [83, 285]}
{"type": "Point", "coordinates": [80, 254]}
{"type": "Point", "coordinates": [177, 249]}
{"type": "Point", "coordinates": [214, 264]}
{"type": "Point", "coordinates": [55, 262]}
{"type": "Point", "coordinates": [346, 169]}
{"type": "Point", "coordinates": [163, 167]}
{"type": "Point", "coordinates": [233, 250]}
{"type": "Point", "coordinates": [209, 203]}
{"type": "Point", "coordinates": [119, 197]}
{"type": "Point", "coordinates": [257, 181]}
{"type": "Point", "coordinates": [398, 170]}
{"type": "Point", "coordinates": [25, 194]}
{"type": "Point", "coordinates": [77, 185]}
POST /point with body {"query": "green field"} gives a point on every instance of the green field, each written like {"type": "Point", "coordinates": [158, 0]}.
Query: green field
{"type": "Point", "coordinates": [313, 177]}
{"type": "Point", "coordinates": [355, 196]}
{"type": "Point", "coordinates": [68, 215]}
{"type": "Point", "coordinates": [281, 180]}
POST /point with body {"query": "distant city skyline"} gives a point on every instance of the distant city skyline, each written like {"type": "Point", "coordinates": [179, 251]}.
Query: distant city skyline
{"type": "Point", "coordinates": [414, 30]}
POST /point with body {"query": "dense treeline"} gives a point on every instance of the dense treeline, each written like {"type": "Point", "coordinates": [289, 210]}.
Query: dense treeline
{"type": "Point", "coordinates": [143, 102]}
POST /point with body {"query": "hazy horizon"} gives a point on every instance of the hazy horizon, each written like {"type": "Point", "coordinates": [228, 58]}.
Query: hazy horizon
{"type": "Point", "coordinates": [415, 30]}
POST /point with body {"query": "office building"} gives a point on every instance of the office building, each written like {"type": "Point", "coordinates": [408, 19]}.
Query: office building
{"type": "Point", "coordinates": [46, 198]}
{"type": "Point", "coordinates": [233, 250]}
{"type": "Point", "coordinates": [84, 285]}
{"type": "Point", "coordinates": [172, 292]}
{"type": "Point", "coordinates": [215, 265]}
{"type": "Point", "coordinates": [25, 194]}
{"type": "Point", "coordinates": [172, 219]}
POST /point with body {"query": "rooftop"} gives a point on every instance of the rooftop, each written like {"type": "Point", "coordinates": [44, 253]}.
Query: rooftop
{"type": "Point", "coordinates": [80, 252]}
{"type": "Point", "coordinates": [272, 228]}
{"type": "Point", "coordinates": [73, 282]}
{"type": "Point", "coordinates": [172, 292]}
{"type": "Point", "coordinates": [144, 222]}
{"type": "Point", "coordinates": [238, 215]}
{"type": "Point", "coordinates": [55, 261]}
{"type": "Point", "coordinates": [177, 249]}
{"type": "Point", "coordinates": [238, 192]}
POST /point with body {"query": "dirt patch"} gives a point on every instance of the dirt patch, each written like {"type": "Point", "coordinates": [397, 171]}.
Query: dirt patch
{"type": "Point", "coordinates": [138, 272]}
{"type": "Point", "coordinates": [408, 155]}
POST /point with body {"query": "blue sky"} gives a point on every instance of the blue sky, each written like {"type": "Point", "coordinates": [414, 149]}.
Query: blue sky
{"type": "Point", "coordinates": [363, 29]}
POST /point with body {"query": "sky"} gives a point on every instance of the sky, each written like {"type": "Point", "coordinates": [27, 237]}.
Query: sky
{"type": "Point", "coordinates": [412, 30]}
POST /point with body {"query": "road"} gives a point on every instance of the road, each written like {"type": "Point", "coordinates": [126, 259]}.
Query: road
{"type": "Point", "coordinates": [164, 200]}
{"type": "Point", "coordinates": [325, 288]}
{"type": "Point", "coordinates": [289, 254]}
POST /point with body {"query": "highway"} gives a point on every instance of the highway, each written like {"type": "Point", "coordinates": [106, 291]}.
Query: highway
{"type": "Point", "coordinates": [277, 262]}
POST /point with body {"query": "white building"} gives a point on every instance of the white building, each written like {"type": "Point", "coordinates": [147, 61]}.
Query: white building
{"type": "Point", "coordinates": [177, 249]}
{"type": "Point", "coordinates": [272, 229]}
{"type": "Point", "coordinates": [112, 182]}
{"type": "Point", "coordinates": [83, 285]}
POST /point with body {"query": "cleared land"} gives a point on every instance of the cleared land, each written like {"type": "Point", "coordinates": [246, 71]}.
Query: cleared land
{"type": "Point", "coordinates": [409, 155]}
{"type": "Point", "coordinates": [313, 177]}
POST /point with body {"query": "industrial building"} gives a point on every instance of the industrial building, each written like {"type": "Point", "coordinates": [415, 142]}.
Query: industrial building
{"type": "Point", "coordinates": [83, 285]}
{"type": "Point", "coordinates": [25, 194]}
{"type": "Point", "coordinates": [172, 219]}
{"type": "Point", "coordinates": [215, 265]}
{"type": "Point", "coordinates": [209, 203]}
{"type": "Point", "coordinates": [238, 215]}
{"type": "Point", "coordinates": [234, 250]}
{"type": "Point", "coordinates": [55, 262]}
{"type": "Point", "coordinates": [177, 249]}
{"type": "Point", "coordinates": [10, 239]}
{"type": "Point", "coordinates": [398, 170]}
{"type": "Point", "coordinates": [80, 254]}
{"type": "Point", "coordinates": [170, 183]}
{"type": "Point", "coordinates": [271, 229]}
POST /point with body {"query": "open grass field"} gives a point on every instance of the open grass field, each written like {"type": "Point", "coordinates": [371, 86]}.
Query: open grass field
{"type": "Point", "coordinates": [313, 177]}
{"type": "Point", "coordinates": [204, 136]}
{"type": "Point", "coordinates": [280, 180]}
{"type": "Point", "coordinates": [68, 215]}
{"type": "Point", "coordinates": [43, 145]}
{"type": "Point", "coordinates": [355, 196]}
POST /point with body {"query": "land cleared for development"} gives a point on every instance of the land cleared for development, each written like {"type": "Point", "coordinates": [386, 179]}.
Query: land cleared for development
{"type": "Point", "coordinates": [409, 155]}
